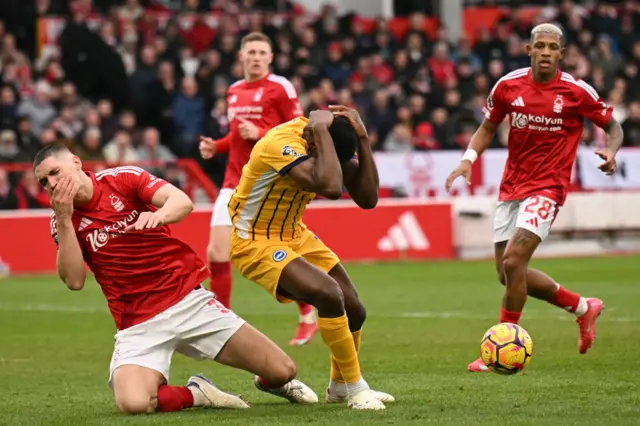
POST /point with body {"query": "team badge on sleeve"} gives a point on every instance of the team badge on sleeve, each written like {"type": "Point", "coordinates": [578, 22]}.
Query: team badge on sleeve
{"type": "Point", "coordinates": [279, 255]}
{"type": "Point", "coordinates": [490, 101]}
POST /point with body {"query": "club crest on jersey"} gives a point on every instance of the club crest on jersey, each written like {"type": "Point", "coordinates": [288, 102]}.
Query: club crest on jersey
{"type": "Point", "coordinates": [557, 104]}
{"type": "Point", "coordinates": [288, 151]}
{"type": "Point", "coordinates": [233, 99]}
{"type": "Point", "coordinates": [279, 255]}
{"type": "Point", "coordinates": [116, 203]}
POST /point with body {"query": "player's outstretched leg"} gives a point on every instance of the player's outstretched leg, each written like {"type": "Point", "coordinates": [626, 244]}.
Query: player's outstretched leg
{"type": "Point", "coordinates": [543, 287]}
{"type": "Point", "coordinates": [219, 264]}
{"type": "Point", "coordinates": [307, 325]}
{"type": "Point", "coordinates": [356, 314]}
{"type": "Point", "coordinates": [275, 372]}
{"type": "Point", "coordinates": [140, 390]}
{"type": "Point", "coordinates": [302, 281]}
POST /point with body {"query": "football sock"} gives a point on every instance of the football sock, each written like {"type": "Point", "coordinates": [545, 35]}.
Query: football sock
{"type": "Point", "coordinates": [335, 370]}
{"type": "Point", "coordinates": [335, 333]}
{"type": "Point", "coordinates": [306, 314]}
{"type": "Point", "coordinates": [174, 398]}
{"type": "Point", "coordinates": [506, 316]}
{"type": "Point", "coordinates": [220, 283]}
{"type": "Point", "coordinates": [268, 385]}
{"type": "Point", "coordinates": [569, 301]}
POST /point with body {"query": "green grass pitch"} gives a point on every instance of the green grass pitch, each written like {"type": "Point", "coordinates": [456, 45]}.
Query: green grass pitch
{"type": "Point", "coordinates": [424, 325]}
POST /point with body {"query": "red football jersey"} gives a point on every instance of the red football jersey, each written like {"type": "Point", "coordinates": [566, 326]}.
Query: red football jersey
{"type": "Point", "coordinates": [141, 273]}
{"type": "Point", "coordinates": [267, 102]}
{"type": "Point", "coordinates": [546, 124]}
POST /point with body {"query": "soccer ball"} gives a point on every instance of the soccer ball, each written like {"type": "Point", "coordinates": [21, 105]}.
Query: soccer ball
{"type": "Point", "coordinates": [506, 348]}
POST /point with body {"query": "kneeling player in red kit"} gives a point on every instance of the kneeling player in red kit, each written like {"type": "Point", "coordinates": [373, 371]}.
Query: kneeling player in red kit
{"type": "Point", "coordinates": [547, 108]}
{"type": "Point", "coordinates": [116, 221]}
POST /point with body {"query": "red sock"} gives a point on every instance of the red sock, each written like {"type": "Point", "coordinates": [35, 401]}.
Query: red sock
{"type": "Point", "coordinates": [266, 384]}
{"type": "Point", "coordinates": [304, 310]}
{"type": "Point", "coordinates": [220, 283]}
{"type": "Point", "coordinates": [174, 398]}
{"type": "Point", "coordinates": [565, 299]}
{"type": "Point", "coordinates": [506, 316]}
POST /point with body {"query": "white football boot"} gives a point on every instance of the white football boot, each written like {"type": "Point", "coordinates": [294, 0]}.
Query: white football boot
{"type": "Point", "coordinates": [295, 391]}
{"type": "Point", "coordinates": [207, 395]}
{"type": "Point", "coordinates": [338, 393]}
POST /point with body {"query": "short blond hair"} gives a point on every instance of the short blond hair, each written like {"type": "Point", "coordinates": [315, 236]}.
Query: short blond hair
{"type": "Point", "coordinates": [546, 28]}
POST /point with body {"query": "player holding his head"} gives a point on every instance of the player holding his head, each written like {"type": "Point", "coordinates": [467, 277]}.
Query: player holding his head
{"type": "Point", "coordinates": [271, 246]}
{"type": "Point", "coordinates": [547, 108]}
{"type": "Point", "coordinates": [116, 222]}
{"type": "Point", "coordinates": [255, 105]}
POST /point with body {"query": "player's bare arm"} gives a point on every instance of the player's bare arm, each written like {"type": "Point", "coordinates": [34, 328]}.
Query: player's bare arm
{"type": "Point", "coordinates": [480, 141]}
{"type": "Point", "coordinates": [321, 173]}
{"type": "Point", "coordinates": [174, 205]}
{"type": "Point", "coordinates": [361, 174]}
{"type": "Point", "coordinates": [70, 262]}
{"type": "Point", "coordinates": [615, 135]}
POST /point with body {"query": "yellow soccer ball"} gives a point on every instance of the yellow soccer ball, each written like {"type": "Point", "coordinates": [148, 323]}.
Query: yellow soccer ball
{"type": "Point", "coordinates": [506, 348]}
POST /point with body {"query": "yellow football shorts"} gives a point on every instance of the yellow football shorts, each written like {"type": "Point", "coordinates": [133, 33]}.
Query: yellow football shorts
{"type": "Point", "coordinates": [262, 261]}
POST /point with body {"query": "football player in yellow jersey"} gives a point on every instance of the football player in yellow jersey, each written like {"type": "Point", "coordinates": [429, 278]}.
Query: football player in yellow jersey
{"type": "Point", "coordinates": [271, 246]}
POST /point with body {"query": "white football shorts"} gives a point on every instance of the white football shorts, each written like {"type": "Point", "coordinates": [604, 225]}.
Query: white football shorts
{"type": "Point", "coordinates": [220, 215]}
{"type": "Point", "coordinates": [535, 214]}
{"type": "Point", "coordinates": [198, 327]}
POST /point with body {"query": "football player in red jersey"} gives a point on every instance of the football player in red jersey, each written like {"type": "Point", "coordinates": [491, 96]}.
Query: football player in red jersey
{"type": "Point", "coordinates": [116, 222]}
{"type": "Point", "coordinates": [255, 105]}
{"type": "Point", "coordinates": [547, 108]}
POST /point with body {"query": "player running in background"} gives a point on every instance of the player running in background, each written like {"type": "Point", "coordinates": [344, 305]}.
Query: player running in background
{"type": "Point", "coordinates": [272, 247]}
{"type": "Point", "coordinates": [116, 221]}
{"type": "Point", "coordinates": [547, 108]}
{"type": "Point", "coordinates": [255, 105]}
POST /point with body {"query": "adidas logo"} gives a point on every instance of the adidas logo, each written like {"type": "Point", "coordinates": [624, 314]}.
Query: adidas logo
{"type": "Point", "coordinates": [518, 102]}
{"type": "Point", "coordinates": [406, 234]}
{"type": "Point", "coordinates": [84, 223]}
{"type": "Point", "coordinates": [533, 221]}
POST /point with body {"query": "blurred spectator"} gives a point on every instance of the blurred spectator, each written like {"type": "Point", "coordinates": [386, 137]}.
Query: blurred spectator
{"type": "Point", "coordinates": [120, 149]}
{"type": "Point", "coordinates": [188, 116]}
{"type": "Point", "coordinates": [39, 109]}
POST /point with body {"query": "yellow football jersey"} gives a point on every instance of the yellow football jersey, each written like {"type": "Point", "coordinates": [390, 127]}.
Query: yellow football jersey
{"type": "Point", "coordinates": [267, 204]}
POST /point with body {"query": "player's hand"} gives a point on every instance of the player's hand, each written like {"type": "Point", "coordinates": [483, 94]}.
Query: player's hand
{"type": "Point", "coordinates": [354, 119]}
{"type": "Point", "coordinates": [62, 197]}
{"type": "Point", "coordinates": [463, 169]}
{"type": "Point", "coordinates": [248, 130]}
{"type": "Point", "coordinates": [207, 147]}
{"type": "Point", "coordinates": [609, 166]}
{"type": "Point", "coordinates": [321, 118]}
{"type": "Point", "coordinates": [146, 220]}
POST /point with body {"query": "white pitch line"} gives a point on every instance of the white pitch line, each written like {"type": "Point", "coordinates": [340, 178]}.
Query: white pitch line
{"type": "Point", "coordinates": [447, 315]}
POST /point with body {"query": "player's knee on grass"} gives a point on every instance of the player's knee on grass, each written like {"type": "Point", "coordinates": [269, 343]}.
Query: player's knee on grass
{"type": "Point", "coordinates": [281, 372]}
{"type": "Point", "coordinates": [136, 403]}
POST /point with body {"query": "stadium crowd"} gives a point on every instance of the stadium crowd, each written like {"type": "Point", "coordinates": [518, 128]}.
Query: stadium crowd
{"type": "Point", "coordinates": [133, 90]}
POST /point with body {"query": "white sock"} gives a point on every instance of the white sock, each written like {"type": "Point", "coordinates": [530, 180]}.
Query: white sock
{"type": "Point", "coordinates": [359, 386]}
{"type": "Point", "coordinates": [582, 308]}
{"type": "Point", "coordinates": [199, 399]}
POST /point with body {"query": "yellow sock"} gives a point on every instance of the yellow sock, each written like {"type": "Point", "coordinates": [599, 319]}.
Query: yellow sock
{"type": "Point", "coordinates": [335, 371]}
{"type": "Point", "coordinates": [335, 333]}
